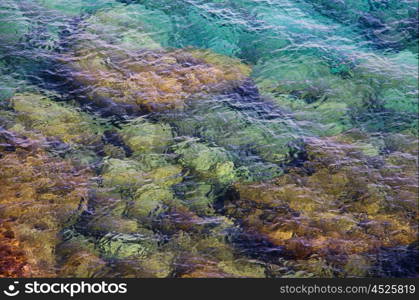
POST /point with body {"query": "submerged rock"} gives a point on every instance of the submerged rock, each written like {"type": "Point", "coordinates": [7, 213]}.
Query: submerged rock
{"type": "Point", "coordinates": [149, 200]}
{"type": "Point", "coordinates": [257, 135]}
{"type": "Point", "coordinates": [378, 92]}
{"type": "Point", "coordinates": [103, 223]}
{"type": "Point", "coordinates": [122, 175]}
{"type": "Point", "coordinates": [52, 119]}
{"type": "Point", "coordinates": [209, 255]}
{"type": "Point", "coordinates": [156, 265]}
{"type": "Point", "coordinates": [199, 267]}
{"type": "Point", "coordinates": [208, 162]}
{"type": "Point", "coordinates": [40, 195]}
{"type": "Point", "coordinates": [82, 265]}
{"type": "Point", "coordinates": [213, 258]}
{"type": "Point", "coordinates": [166, 176]}
{"type": "Point", "coordinates": [13, 260]}
{"type": "Point", "coordinates": [159, 264]}
{"type": "Point", "coordinates": [142, 189]}
{"type": "Point", "coordinates": [121, 246]}
{"type": "Point", "coordinates": [178, 217]}
{"type": "Point", "coordinates": [77, 256]}
{"type": "Point", "coordinates": [133, 82]}
{"type": "Point", "coordinates": [338, 203]}
{"type": "Point", "coordinates": [198, 196]}
{"type": "Point", "coordinates": [144, 137]}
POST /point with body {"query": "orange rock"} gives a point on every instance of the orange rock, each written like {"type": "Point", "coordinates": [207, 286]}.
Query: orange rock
{"type": "Point", "coordinates": [39, 195]}
{"type": "Point", "coordinates": [151, 80]}
{"type": "Point", "coordinates": [13, 262]}
{"type": "Point", "coordinates": [340, 202]}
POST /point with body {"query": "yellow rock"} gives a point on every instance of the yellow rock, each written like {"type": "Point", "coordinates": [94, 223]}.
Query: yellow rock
{"type": "Point", "coordinates": [50, 118]}
{"type": "Point", "coordinates": [151, 80]}
{"type": "Point", "coordinates": [39, 196]}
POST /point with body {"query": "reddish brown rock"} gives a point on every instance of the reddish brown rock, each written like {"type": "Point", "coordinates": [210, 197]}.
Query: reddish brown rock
{"type": "Point", "coordinates": [39, 195]}
{"type": "Point", "coordinates": [339, 202]}
{"type": "Point", "coordinates": [149, 80]}
{"type": "Point", "coordinates": [13, 262]}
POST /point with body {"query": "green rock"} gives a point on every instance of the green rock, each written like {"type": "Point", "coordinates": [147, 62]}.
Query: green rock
{"type": "Point", "coordinates": [243, 268]}
{"type": "Point", "coordinates": [199, 156]}
{"type": "Point", "coordinates": [152, 161]}
{"type": "Point", "coordinates": [357, 266]}
{"type": "Point", "coordinates": [166, 176]}
{"type": "Point", "coordinates": [237, 132]}
{"type": "Point", "coordinates": [199, 197]}
{"type": "Point", "coordinates": [372, 93]}
{"type": "Point", "coordinates": [122, 246]}
{"type": "Point", "coordinates": [208, 162]}
{"type": "Point", "coordinates": [112, 151]}
{"type": "Point", "coordinates": [149, 200]}
{"type": "Point", "coordinates": [73, 242]}
{"type": "Point", "coordinates": [122, 174]}
{"type": "Point", "coordinates": [106, 203]}
{"type": "Point", "coordinates": [82, 264]}
{"type": "Point", "coordinates": [145, 137]}
{"type": "Point", "coordinates": [37, 112]}
{"type": "Point", "coordinates": [225, 172]}
{"type": "Point", "coordinates": [111, 224]}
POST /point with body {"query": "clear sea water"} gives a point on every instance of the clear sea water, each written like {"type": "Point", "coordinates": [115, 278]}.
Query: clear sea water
{"type": "Point", "coordinates": [208, 138]}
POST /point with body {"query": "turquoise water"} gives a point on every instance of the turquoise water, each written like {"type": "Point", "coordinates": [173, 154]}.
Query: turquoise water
{"type": "Point", "coordinates": [194, 138]}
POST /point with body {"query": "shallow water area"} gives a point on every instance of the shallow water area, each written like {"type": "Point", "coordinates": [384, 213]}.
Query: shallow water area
{"type": "Point", "coordinates": [208, 138]}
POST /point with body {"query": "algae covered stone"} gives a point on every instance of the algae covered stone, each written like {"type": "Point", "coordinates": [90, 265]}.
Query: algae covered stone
{"type": "Point", "coordinates": [339, 207]}
{"type": "Point", "coordinates": [145, 137]}
{"type": "Point", "coordinates": [40, 195]}
{"type": "Point", "coordinates": [373, 91]}
{"type": "Point", "coordinates": [148, 200]}
{"type": "Point", "coordinates": [145, 191]}
{"type": "Point", "coordinates": [54, 119]}
{"type": "Point", "coordinates": [13, 260]}
{"type": "Point", "coordinates": [151, 80]}
{"type": "Point", "coordinates": [199, 196]}
{"type": "Point", "coordinates": [159, 264]}
{"type": "Point", "coordinates": [122, 175]}
{"type": "Point", "coordinates": [259, 128]}
{"type": "Point", "coordinates": [208, 162]}
{"type": "Point", "coordinates": [82, 264]}
{"type": "Point", "coordinates": [166, 176]}
{"type": "Point", "coordinates": [123, 246]}
{"type": "Point", "coordinates": [104, 223]}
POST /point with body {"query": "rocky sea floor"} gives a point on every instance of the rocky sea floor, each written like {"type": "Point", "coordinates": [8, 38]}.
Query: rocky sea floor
{"type": "Point", "coordinates": [208, 138]}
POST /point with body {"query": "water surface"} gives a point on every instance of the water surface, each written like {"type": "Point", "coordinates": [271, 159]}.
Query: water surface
{"type": "Point", "coordinates": [199, 138]}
